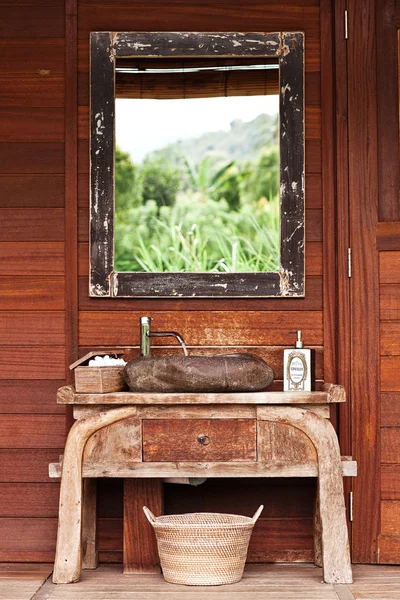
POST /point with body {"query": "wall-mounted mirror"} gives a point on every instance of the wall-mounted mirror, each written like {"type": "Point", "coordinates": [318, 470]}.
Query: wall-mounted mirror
{"type": "Point", "coordinates": [197, 164]}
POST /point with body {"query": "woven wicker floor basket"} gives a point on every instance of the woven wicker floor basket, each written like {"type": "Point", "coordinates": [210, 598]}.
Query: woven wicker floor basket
{"type": "Point", "coordinates": [202, 548]}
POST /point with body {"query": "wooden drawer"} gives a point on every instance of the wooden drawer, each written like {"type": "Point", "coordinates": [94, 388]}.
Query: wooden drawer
{"type": "Point", "coordinates": [199, 440]}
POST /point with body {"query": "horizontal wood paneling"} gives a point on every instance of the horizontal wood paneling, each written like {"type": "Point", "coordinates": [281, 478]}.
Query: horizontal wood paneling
{"type": "Point", "coordinates": [31, 293]}
{"type": "Point", "coordinates": [291, 534]}
{"type": "Point", "coordinates": [390, 409]}
{"type": "Point", "coordinates": [29, 499]}
{"type": "Point", "coordinates": [32, 22]}
{"type": "Point", "coordinates": [390, 482]}
{"type": "Point", "coordinates": [26, 328]}
{"type": "Point", "coordinates": [23, 465]}
{"type": "Point", "coordinates": [28, 540]}
{"type": "Point", "coordinates": [389, 296]}
{"type": "Point", "coordinates": [18, 396]}
{"type": "Point", "coordinates": [389, 549]}
{"type": "Point", "coordinates": [313, 191]}
{"type": "Point", "coordinates": [313, 156]}
{"type": "Point", "coordinates": [35, 431]}
{"type": "Point", "coordinates": [389, 267]}
{"type": "Point", "coordinates": [31, 124]}
{"type": "Point", "coordinates": [31, 157]}
{"type": "Point", "coordinates": [214, 328]}
{"type": "Point", "coordinates": [388, 236]}
{"type": "Point", "coordinates": [40, 89]}
{"type": "Point", "coordinates": [166, 3]}
{"type": "Point", "coordinates": [32, 225]}
{"type": "Point", "coordinates": [313, 259]}
{"type": "Point", "coordinates": [311, 301]}
{"type": "Point", "coordinates": [32, 284]}
{"type": "Point", "coordinates": [37, 362]}
{"type": "Point", "coordinates": [390, 445]}
{"type": "Point", "coordinates": [200, 16]}
{"type": "Point", "coordinates": [33, 191]}
{"type": "Point", "coordinates": [390, 373]}
{"type": "Point", "coordinates": [31, 56]}
{"type": "Point", "coordinates": [31, 258]}
{"type": "Point", "coordinates": [389, 339]}
{"type": "Point", "coordinates": [53, 3]}
{"type": "Point", "coordinates": [390, 517]}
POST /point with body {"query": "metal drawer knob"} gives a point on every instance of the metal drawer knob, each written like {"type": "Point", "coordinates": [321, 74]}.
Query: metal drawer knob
{"type": "Point", "coordinates": [203, 439]}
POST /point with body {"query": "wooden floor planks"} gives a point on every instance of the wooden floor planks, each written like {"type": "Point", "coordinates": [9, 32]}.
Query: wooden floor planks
{"type": "Point", "coordinates": [260, 582]}
{"type": "Point", "coordinates": [21, 582]}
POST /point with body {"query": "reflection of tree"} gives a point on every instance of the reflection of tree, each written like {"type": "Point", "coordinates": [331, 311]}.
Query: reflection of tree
{"type": "Point", "coordinates": [218, 215]}
{"type": "Point", "coordinates": [204, 179]}
{"type": "Point", "coordinates": [127, 185]}
{"type": "Point", "coordinates": [263, 181]}
{"type": "Point", "coordinates": [160, 181]}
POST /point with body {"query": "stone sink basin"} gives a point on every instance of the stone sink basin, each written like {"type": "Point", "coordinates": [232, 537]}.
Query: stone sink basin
{"type": "Point", "coordinates": [222, 373]}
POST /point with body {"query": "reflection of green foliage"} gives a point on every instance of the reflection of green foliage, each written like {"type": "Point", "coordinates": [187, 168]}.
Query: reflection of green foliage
{"type": "Point", "coordinates": [264, 181]}
{"type": "Point", "coordinates": [127, 192]}
{"type": "Point", "coordinates": [160, 181]}
{"type": "Point", "coordinates": [198, 236]}
{"type": "Point", "coordinates": [217, 183]}
{"type": "Point", "coordinates": [217, 215]}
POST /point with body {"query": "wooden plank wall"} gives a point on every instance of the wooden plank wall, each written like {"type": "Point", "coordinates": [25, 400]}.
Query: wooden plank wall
{"type": "Point", "coordinates": [39, 323]}
{"type": "Point", "coordinates": [32, 301]}
{"type": "Point", "coordinates": [208, 326]}
{"type": "Point", "coordinates": [388, 245]}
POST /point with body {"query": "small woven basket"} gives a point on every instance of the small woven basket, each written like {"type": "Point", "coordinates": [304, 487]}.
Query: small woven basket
{"type": "Point", "coordinates": [202, 548]}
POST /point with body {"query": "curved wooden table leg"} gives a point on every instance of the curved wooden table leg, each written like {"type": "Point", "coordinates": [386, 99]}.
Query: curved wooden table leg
{"type": "Point", "coordinates": [68, 562]}
{"type": "Point", "coordinates": [335, 549]}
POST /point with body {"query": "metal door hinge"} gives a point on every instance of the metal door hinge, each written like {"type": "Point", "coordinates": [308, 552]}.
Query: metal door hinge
{"type": "Point", "coordinates": [349, 262]}
{"type": "Point", "coordinates": [350, 506]}
{"type": "Point", "coordinates": [346, 25]}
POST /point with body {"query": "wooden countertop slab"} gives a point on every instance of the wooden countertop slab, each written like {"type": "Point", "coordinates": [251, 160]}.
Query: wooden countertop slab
{"type": "Point", "coordinates": [329, 394]}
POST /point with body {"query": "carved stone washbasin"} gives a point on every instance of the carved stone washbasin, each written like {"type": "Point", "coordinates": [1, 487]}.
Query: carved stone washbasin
{"type": "Point", "coordinates": [223, 373]}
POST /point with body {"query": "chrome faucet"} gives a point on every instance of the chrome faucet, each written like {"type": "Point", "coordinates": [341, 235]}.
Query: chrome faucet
{"type": "Point", "coordinates": [146, 334]}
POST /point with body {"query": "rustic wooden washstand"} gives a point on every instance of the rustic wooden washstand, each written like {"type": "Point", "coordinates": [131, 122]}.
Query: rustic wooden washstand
{"type": "Point", "coordinates": [253, 434]}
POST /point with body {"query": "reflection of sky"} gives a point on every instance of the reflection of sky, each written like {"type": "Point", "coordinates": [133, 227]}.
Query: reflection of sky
{"type": "Point", "coordinates": [146, 125]}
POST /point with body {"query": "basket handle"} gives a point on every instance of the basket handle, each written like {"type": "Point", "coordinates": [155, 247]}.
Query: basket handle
{"type": "Point", "coordinates": [149, 515]}
{"type": "Point", "coordinates": [256, 514]}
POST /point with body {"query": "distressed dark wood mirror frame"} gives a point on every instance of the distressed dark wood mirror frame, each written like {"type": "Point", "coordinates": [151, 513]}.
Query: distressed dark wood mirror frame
{"type": "Point", "coordinates": [288, 48]}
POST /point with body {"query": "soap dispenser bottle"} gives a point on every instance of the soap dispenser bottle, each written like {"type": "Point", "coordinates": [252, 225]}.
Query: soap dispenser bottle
{"type": "Point", "coordinates": [298, 368]}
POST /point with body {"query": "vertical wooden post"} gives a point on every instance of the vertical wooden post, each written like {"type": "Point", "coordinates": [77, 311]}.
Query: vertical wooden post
{"type": "Point", "coordinates": [140, 547]}
{"type": "Point", "coordinates": [90, 558]}
{"type": "Point", "coordinates": [363, 192]}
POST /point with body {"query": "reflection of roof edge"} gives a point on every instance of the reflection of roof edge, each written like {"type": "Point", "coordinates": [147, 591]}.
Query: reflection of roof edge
{"type": "Point", "coordinates": [136, 70]}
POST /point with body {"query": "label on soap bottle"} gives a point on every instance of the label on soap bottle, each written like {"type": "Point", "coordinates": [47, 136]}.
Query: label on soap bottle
{"type": "Point", "coordinates": [297, 370]}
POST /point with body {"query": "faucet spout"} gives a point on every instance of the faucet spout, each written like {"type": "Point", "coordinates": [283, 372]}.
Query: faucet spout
{"type": "Point", "coordinates": [171, 334]}
{"type": "Point", "coordinates": [146, 334]}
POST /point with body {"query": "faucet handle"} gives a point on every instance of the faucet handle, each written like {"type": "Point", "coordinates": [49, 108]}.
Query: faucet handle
{"type": "Point", "coordinates": [145, 324]}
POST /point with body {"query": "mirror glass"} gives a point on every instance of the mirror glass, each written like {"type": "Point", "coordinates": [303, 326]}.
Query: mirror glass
{"type": "Point", "coordinates": [197, 166]}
